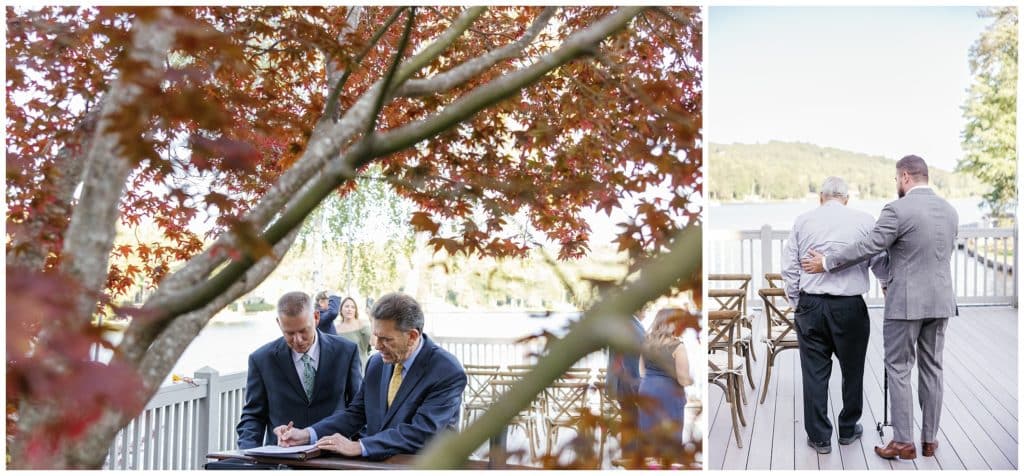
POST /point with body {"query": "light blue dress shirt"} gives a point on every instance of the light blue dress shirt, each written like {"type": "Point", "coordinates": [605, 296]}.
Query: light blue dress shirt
{"type": "Point", "coordinates": [827, 229]}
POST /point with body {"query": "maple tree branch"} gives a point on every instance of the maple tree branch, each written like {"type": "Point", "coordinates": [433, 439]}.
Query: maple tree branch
{"type": "Point", "coordinates": [27, 251]}
{"type": "Point", "coordinates": [352, 17]}
{"type": "Point", "coordinates": [389, 76]}
{"type": "Point", "coordinates": [180, 301]}
{"type": "Point", "coordinates": [673, 16]}
{"type": "Point", "coordinates": [332, 100]}
{"type": "Point", "coordinates": [628, 83]}
{"type": "Point", "coordinates": [460, 74]}
{"type": "Point", "coordinates": [483, 35]}
{"type": "Point", "coordinates": [324, 142]}
{"type": "Point", "coordinates": [676, 48]}
{"type": "Point", "coordinates": [164, 345]}
{"type": "Point", "coordinates": [90, 235]}
{"type": "Point", "coordinates": [443, 41]}
{"type": "Point", "coordinates": [578, 44]}
{"type": "Point", "coordinates": [604, 324]}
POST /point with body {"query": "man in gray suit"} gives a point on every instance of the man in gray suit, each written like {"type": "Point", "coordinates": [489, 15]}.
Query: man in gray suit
{"type": "Point", "coordinates": [919, 233]}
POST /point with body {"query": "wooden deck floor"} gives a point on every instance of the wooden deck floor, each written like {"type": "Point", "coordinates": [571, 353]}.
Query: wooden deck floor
{"type": "Point", "coordinates": [978, 428]}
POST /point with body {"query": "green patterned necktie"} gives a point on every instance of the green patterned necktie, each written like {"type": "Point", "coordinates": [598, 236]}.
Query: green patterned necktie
{"type": "Point", "coordinates": [308, 374]}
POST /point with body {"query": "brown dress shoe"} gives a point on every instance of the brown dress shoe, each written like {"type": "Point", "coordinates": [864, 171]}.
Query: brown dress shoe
{"type": "Point", "coordinates": [896, 449]}
{"type": "Point", "coordinates": [928, 449]}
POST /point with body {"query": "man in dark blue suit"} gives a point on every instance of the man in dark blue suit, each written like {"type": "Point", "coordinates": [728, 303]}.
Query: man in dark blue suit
{"type": "Point", "coordinates": [412, 391]}
{"type": "Point", "coordinates": [299, 378]}
{"type": "Point", "coordinates": [328, 306]}
{"type": "Point", "coordinates": [622, 384]}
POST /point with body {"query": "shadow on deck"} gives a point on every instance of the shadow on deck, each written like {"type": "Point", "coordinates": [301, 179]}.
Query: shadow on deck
{"type": "Point", "coordinates": [978, 427]}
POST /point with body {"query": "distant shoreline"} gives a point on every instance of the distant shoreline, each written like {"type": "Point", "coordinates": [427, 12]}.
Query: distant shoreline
{"type": "Point", "coordinates": [712, 203]}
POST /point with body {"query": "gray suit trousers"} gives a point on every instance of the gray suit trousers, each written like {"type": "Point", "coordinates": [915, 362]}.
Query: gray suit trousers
{"type": "Point", "coordinates": [902, 339]}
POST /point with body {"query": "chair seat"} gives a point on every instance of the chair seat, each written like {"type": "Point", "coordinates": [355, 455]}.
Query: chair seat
{"type": "Point", "coordinates": [721, 360]}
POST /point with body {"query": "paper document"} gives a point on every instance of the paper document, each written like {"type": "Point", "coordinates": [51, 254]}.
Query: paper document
{"type": "Point", "coordinates": [279, 450]}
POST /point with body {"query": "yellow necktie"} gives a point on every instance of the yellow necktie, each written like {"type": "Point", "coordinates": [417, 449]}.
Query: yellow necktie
{"type": "Point", "coordinates": [396, 381]}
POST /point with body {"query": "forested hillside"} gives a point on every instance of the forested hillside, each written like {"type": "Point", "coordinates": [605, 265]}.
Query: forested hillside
{"type": "Point", "coordinates": [787, 170]}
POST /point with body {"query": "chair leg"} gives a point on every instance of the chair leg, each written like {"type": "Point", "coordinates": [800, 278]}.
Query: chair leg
{"type": "Point", "coordinates": [750, 368]}
{"type": "Point", "coordinates": [735, 423]}
{"type": "Point", "coordinates": [741, 390]}
{"type": "Point", "coordinates": [767, 375]}
{"type": "Point", "coordinates": [738, 388]}
{"type": "Point", "coordinates": [534, 442]}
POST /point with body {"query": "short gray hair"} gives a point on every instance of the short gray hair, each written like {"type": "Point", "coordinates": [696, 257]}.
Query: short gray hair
{"type": "Point", "coordinates": [834, 187]}
{"type": "Point", "coordinates": [294, 304]}
{"type": "Point", "coordinates": [400, 308]}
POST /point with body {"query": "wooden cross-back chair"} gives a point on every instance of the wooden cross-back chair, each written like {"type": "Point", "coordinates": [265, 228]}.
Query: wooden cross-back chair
{"type": "Point", "coordinates": [735, 300]}
{"type": "Point", "coordinates": [724, 368]}
{"type": "Point", "coordinates": [574, 374]}
{"type": "Point", "coordinates": [521, 368]}
{"type": "Point", "coordinates": [780, 329]}
{"type": "Point", "coordinates": [730, 299]}
{"type": "Point", "coordinates": [742, 282]}
{"type": "Point", "coordinates": [611, 413]}
{"type": "Point", "coordinates": [477, 397]}
{"type": "Point", "coordinates": [525, 419]}
{"type": "Point", "coordinates": [564, 402]}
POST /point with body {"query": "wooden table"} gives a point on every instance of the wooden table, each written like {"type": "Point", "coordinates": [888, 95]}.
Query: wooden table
{"type": "Point", "coordinates": [332, 461]}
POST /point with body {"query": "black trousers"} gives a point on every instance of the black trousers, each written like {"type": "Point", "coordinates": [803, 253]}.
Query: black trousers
{"type": "Point", "coordinates": [829, 325]}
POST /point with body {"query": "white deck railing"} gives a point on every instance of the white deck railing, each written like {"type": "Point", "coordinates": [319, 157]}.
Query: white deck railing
{"type": "Point", "coordinates": [983, 265]}
{"type": "Point", "coordinates": [186, 421]}
{"type": "Point", "coordinates": [177, 427]}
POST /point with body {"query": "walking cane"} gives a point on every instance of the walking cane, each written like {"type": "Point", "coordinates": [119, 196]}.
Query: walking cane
{"type": "Point", "coordinates": [885, 411]}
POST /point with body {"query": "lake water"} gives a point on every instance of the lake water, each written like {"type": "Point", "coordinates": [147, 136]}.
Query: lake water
{"type": "Point", "coordinates": [226, 347]}
{"type": "Point", "coordinates": [780, 215]}
{"type": "Point", "coordinates": [972, 278]}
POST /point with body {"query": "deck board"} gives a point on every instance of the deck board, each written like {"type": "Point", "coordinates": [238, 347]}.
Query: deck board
{"type": "Point", "coordinates": [978, 428]}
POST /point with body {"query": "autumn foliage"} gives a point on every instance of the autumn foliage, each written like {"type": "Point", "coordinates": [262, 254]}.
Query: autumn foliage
{"type": "Point", "coordinates": [238, 120]}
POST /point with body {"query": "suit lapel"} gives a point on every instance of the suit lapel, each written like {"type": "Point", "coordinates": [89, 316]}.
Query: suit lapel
{"type": "Point", "coordinates": [385, 379]}
{"type": "Point", "coordinates": [412, 378]}
{"type": "Point", "coordinates": [283, 357]}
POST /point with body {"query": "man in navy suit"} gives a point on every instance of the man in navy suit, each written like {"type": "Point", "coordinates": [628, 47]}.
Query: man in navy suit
{"type": "Point", "coordinates": [412, 391]}
{"type": "Point", "coordinates": [299, 378]}
{"type": "Point", "coordinates": [328, 306]}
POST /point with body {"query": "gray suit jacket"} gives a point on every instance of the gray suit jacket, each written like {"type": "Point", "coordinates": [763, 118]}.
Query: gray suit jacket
{"type": "Point", "coordinates": [919, 233]}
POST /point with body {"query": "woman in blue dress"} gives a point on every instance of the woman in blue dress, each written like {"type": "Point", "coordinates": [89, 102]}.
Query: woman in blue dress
{"type": "Point", "coordinates": [666, 372]}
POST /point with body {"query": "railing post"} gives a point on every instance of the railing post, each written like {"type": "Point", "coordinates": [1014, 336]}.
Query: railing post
{"type": "Point", "coordinates": [766, 254]}
{"type": "Point", "coordinates": [1017, 264]}
{"type": "Point", "coordinates": [208, 429]}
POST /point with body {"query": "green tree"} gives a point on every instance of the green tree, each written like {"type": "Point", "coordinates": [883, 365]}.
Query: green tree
{"type": "Point", "coordinates": [366, 224]}
{"type": "Point", "coordinates": [989, 138]}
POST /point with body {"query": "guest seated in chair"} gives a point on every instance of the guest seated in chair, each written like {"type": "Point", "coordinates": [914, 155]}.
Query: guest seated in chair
{"type": "Point", "coordinates": [412, 391]}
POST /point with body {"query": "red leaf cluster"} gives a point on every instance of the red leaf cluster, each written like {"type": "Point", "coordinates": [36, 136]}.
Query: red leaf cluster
{"type": "Point", "coordinates": [55, 366]}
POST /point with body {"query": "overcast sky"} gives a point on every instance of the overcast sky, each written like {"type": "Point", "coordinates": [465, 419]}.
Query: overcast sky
{"type": "Point", "coordinates": [879, 80]}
